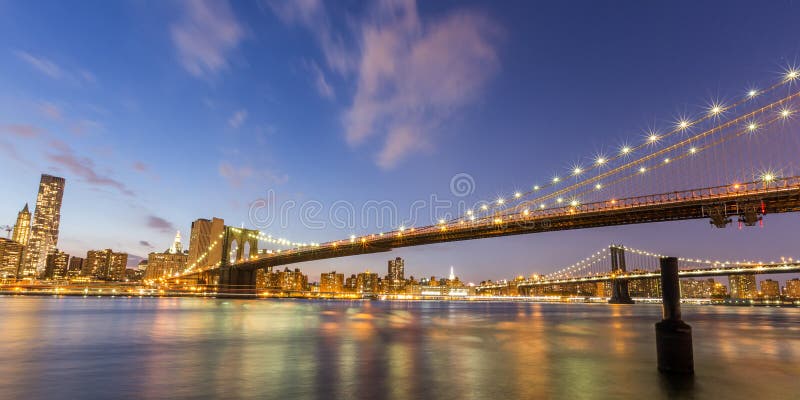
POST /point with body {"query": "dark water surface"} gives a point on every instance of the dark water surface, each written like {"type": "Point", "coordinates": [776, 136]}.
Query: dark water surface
{"type": "Point", "coordinates": [131, 348]}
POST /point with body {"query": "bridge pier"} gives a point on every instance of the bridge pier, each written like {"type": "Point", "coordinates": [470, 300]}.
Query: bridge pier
{"type": "Point", "coordinates": [619, 287]}
{"type": "Point", "coordinates": [237, 282]}
{"type": "Point", "coordinates": [673, 336]}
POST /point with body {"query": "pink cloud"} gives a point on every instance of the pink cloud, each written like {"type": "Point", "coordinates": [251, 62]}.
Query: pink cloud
{"type": "Point", "coordinates": [159, 224]}
{"type": "Point", "coordinates": [140, 166]}
{"type": "Point", "coordinates": [84, 168]}
{"type": "Point", "coordinates": [22, 130]}
{"type": "Point", "coordinates": [41, 64]}
{"type": "Point", "coordinates": [205, 36]}
{"type": "Point", "coordinates": [238, 176]}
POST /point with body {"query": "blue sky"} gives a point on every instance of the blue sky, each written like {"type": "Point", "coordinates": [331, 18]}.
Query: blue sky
{"type": "Point", "coordinates": [158, 113]}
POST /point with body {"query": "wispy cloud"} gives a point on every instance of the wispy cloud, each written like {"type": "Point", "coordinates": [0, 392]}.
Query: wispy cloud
{"type": "Point", "coordinates": [237, 176]}
{"type": "Point", "coordinates": [53, 70]}
{"type": "Point", "coordinates": [320, 82]}
{"type": "Point", "coordinates": [22, 130]}
{"type": "Point", "coordinates": [410, 75]}
{"type": "Point", "coordinates": [159, 224]}
{"type": "Point", "coordinates": [145, 243]}
{"type": "Point", "coordinates": [237, 119]}
{"type": "Point", "coordinates": [205, 35]}
{"type": "Point", "coordinates": [83, 167]}
{"type": "Point", "coordinates": [51, 110]}
{"type": "Point", "coordinates": [41, 64]}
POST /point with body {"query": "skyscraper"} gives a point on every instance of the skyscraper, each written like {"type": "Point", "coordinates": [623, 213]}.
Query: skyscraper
{"type": "Point", "coordinates": [331, 282]}
{"type": "Point", "coordinates": [167, 263]}
{"type": "Point", "coordinates": [44, 229]}
{"type": "Point", "coordinates": [56, 266]}
{"type": "Point", "coordinates": [204, 233]}
{"type": "Point", "coordinates": [22, 229]}
{"type": "Point", "coordinates": [396, 274]}
{"type": "Point", "coordinates": [10, 258]}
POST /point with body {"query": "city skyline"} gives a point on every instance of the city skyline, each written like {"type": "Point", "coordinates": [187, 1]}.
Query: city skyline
{"type": "Point", "coordinates": [237, 115]}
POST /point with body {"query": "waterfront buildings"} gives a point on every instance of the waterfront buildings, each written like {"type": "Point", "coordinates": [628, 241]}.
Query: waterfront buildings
{"type": "Point", "coordinates": [105, 265]}
{"type": "Point", "coordinates": [75, 267]}
{"type": "Point", "coordinates": [56, 265]}
{"type": "Point", "coordinates": [331, 282]}
{"type": "Point", "coordinates": [743, 286]}
{"type": "Point", "coordinates": [792, 289]}
{"type": "Point", "coordinates": [696, 289]}
{"type": "Point", "coordinates": [44, 228]}
{"type": "Point", "coordinates": [165, 264]}
{"type": "Point", "coordinates": [10, 258]}
{"type": "Point", "coordinates": [367, 283]}
{"type": "Point", "coordinates": [770, 289]}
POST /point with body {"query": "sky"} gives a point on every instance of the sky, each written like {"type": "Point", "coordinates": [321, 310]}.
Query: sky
{"type": "Point", "coordinates": [261, 112]}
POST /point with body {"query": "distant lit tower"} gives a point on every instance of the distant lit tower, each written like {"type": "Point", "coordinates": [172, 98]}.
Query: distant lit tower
{"type": "Point", "coordinates": [44, 229]}
{"type": "Point", "coordinates": [452, 274]}
{"type": "Point", "coordinates": [176, 245]}
{"type": "Point", "coordinates": [22, 229]}
{"type": "Point", "coordinates": [396, 274]}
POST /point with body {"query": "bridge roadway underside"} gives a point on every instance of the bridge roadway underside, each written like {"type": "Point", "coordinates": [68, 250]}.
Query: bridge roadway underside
{"type": "Point", "coordinates": [774, 202]}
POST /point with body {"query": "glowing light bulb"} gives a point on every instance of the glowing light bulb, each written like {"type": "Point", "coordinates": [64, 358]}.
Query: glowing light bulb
{"type": "Point", "coordinates": [792, 74]}
{"type": "Point", "coordinates": [693, 150]}
{"type": "Point", "coordinates": [600, 161]}
{"type": "Point", "coordinates": [785, 113]}
{"type": "Point", "coordinates": [666, 161]}
{"type": "Point", "coordinates": [556, 179]}
{"type": "Point", "coordinates": [598, 186]}
{"type": "Point", "coordinates": [752, 93]}
{"type": "Point", "coordinates": [642, 170]}
{"type": "Point", "coordinates": [653, 138]}
{"type": "Point", "coordinates": [469, 212]}
{"type": "Point", "coordinates": [573, 203]}
{"type": "Point", "coordinates": [625, 150]}
{"type": "Point", "coordinates": [441, 221]}
{"type": "Point", "coordinates": [682, 124]}
{"type": "Point", "coordinates": [500, 201]}
{"type": "Point", "coordinates": [536, 187]}
{"type": "Point", "coordinates": [542, 206]}
{"type": "Point", "coordinates": [517, 195]}
{"type": "Point", "coordinates": [752, 126]}
{"type": "Point", "coordinates": [484, 207]}
{"type": "Point", "coordinates": [715, 109]}
{"type": "Point", "coordinates": [768, 177]}
{"type": "Point", "coordinates": [577, 170]}
{"type": "Point", "coordinates": [559, 200]}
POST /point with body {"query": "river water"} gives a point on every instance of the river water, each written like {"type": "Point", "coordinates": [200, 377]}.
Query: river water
{"type": "Point", "coordinates": [189, 348]}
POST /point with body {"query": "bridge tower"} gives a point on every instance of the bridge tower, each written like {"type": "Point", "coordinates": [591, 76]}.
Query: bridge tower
{"type": "Point", "coordinates": [619, 286]}
{"type": "Point", "coordinates": [238, 245]}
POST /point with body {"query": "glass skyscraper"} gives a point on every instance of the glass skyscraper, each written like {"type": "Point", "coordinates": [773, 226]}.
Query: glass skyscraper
{"type": "Point", "coordinates": [44, 229]}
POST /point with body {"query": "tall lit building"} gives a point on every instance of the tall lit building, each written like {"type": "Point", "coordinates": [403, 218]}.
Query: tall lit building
{"type": "Point", "coordinates": [743, 286]}
{"type": "Point", "coordinates": [367, 282]}
{"type": "Point", "coordinates": [396, 274]}
{"type": "Point", "coordinates": [22, 229]}
{"type": "Point", "coordinates": [331, 282]}
{"type": "Point", "coordinates": [205, 233]}
{"type": "Point", "coordinates": [44, 228]}
{"type": "Point", "coordinates": [164, 264]}
{"type": "Point", "coordinates": [770, 288]}
{"type": "Point", "coordinates": [10, 258]}
{"type": "Point", "coordinates": [105, 264]}
{"type": "Point", "coordinates": [56, 265]}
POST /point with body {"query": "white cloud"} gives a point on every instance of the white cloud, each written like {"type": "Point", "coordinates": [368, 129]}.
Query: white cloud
{"type": "Point", "coordinates": [237, 176]}
{"type": "Point", "coordinates": [237, 119]}
{"type": "Point", "coordinates": [206, 35]}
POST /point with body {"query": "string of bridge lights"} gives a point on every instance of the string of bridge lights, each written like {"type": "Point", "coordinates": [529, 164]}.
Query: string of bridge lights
{"type": "Point", "coordinates": [716, 110]}
{"type": "Point", "coordinates": [716, 263]}
{"type": "Point", "coordinates": [595, 257]}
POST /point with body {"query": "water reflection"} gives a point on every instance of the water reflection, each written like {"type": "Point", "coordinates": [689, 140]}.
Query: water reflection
{"type": "Point", "coordinates": [204, 348]}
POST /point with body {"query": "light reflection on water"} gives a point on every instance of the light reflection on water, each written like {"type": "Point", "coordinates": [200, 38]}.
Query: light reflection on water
{"type": "Point", "coordinates": [204, 348]}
